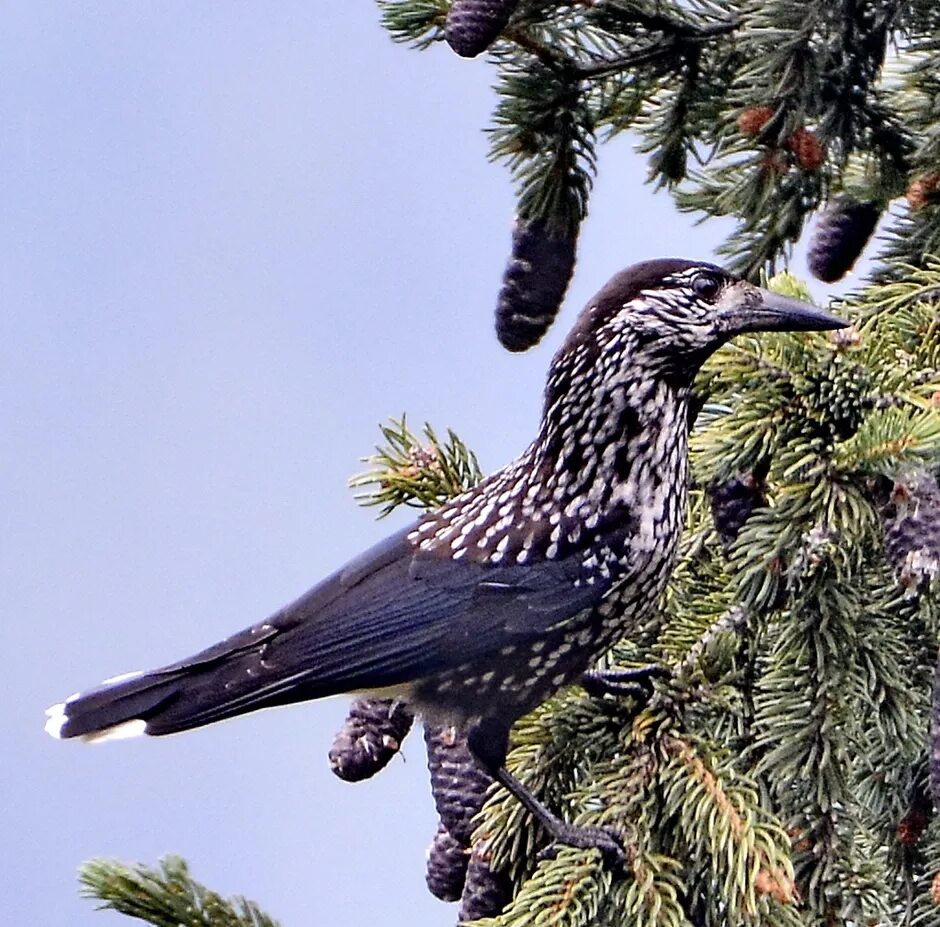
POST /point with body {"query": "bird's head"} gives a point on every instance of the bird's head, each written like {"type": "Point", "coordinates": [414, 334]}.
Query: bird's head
{"type": "Point", "coordinates": [671, 314]}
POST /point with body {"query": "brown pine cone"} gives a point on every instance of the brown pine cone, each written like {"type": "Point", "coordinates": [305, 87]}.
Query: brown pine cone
{"type": "Point", "coordinates": [924, 190]}
{"type": "Point", "coordinates": [935, 889]}
{"type": "Point", "coordinates": [911, 827]}
{"type": "Point", "coordinates": [472, 26]}
{"type": "Point", "coordinates": [447, 866]}
{"type": "Point", "coordinates": [371, 736]}
{"type": "Point", "coordinates": [809, 152]}
{"type": "Point", "coordinates": [534, 284]}
{"type": "Point", "coordinates": [754, 118]}
{"type": "Point", "coordinates": [774, 163]}
{"type": "Point", "coordinates": [485, 892]}
{"type": "Point", "coordinates": [841, 233]}
{"type": "Point", "coordinates": [778, 884]}
{"type": "Point", "coordinates": [458, 784]}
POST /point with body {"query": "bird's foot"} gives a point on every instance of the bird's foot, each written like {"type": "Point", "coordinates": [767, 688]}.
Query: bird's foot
{"type": "Point", "coordinates": [635, 683]}
{"type": "Point", "coordinates": [487, 742]}
{"type": "Point", "coordinates": [604, 839]}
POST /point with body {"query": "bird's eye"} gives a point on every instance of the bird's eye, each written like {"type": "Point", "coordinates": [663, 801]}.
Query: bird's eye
{"type": "Point", "coordinates": [706, 286]}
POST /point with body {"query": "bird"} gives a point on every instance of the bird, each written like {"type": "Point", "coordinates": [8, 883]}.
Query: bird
{"type": "Point", "coordinates": [484, 607]}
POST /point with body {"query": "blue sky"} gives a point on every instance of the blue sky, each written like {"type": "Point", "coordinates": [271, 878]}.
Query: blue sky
{"type": "Point", "coordinates": [235, 237]}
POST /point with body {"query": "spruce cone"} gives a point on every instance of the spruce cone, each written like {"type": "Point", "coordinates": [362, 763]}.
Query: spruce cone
{"type": "Point", "coordinates": [753, 119]}
{"type": "Point", "coordinates": [841, 233]}
{"type": "Point", "coordinates": [774, 163]}
{"type": "Point", "coordinates": [534, 284]}
{"type": "Point", "coordinates": [371, 736]}
{"type": "Point", "coordinates": [732, 504]}
{"type": "Point", "coordinates": [473, 25]}
{"type": "Point", "coordinates": [447, 866]}
{"type": "Point", "coordinates": [911, 523]}
{"type": "Point", "coordinates": [776, 883]}
{"type": "Point", "coordinates": [912, 825]}
{"type": "Point", "coordinates": [485, 892]}
{"type": "Point", "coordinates": [924, 190]}
{"type": "Point", "coordinates": [809, 152]}
{"type": "Point", "coordinates": [458, 784]}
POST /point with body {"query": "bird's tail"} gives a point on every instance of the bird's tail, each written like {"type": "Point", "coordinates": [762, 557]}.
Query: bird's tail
{"type": "Point", "coordinates": [361, 629]}
{"type": "Point", "coordinates": [168, 701]}
{"type": "Point", "coordinates": [155, 703]}
{"type": "Point", "coordinates": [229, 679]}
{"type": "Point", "coordinates": [119, 707]}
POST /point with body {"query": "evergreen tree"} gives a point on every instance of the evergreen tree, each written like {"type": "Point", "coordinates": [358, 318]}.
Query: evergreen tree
{"type": "Point", "coordinates": [775, 767]}
{"type": "Point", "coordinates": [761, 110]}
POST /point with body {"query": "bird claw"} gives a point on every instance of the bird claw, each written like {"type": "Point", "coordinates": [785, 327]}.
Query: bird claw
{"type": "Point", "coordinates": [587, 838]}
{"type": "Point", "coordinates": [635, 683]}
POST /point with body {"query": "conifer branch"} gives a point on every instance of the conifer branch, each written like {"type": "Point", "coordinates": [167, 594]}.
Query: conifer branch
{"type": "Point", "coordinates": [166, 896]}
{"type": "Point", "coordinates": [418, 23]}
{"type": "Point", "coordinates": [415, 471]}
{"type": "Point", "coordinates": [542, 129]}
{"type": "Point", "coordinates": [769, 778]}
{"type": "Point", "coordinates": [571, 887]}
{"type": "Point", "coordinates": [763, 112]}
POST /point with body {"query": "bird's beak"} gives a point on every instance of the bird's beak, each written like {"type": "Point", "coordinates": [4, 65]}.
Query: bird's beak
{"type": "Point", "coordinates": [747, 308]}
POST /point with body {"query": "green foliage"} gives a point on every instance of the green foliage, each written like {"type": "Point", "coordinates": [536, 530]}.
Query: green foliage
{"type": "Point", "coordinates": [766, 782]}
{"type": "Point", "coordinates": [419, 23]}
{"type": "Point", "coordinates": [820, 682]}
{"type": "Point", "coordinates": [166, 896]}
{"type": "Point", "coordinates": [542, 129]}
{"type": "Point", "coordinates": [778, 776]}
{"type": "Point", "coordinates": [565, 892]}
{"type": "Point", "coordinates": [414, 471]}
{"type": "Point", "coordinates": [850, 91]}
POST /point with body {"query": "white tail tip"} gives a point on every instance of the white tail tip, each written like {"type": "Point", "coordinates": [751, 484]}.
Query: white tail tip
{"type": "Point", "coordinates": [55, 720]}
{"type": "Point", "coordinates": [58, 715]}
{"type": "Point", "coordinates": [123, 731]}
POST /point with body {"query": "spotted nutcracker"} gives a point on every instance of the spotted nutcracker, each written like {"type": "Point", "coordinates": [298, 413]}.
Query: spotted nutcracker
{"type": "Point", "coordinates": [484, 607]}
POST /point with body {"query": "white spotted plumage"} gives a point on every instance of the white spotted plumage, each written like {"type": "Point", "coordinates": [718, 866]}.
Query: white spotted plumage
{"type": "Point", "coordinates": [512, 588]}
{"type": "Point", "coordinates": [604, 481]}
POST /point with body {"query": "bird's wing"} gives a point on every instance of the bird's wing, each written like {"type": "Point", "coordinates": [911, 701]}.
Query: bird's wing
{"type": "Point", "coordinates": [389, 617]}
{"type": "Point", "coordinates": [394, 615]}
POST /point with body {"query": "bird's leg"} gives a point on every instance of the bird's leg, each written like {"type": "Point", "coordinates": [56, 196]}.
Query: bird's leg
{"type": "Point", "coordinates": [488, 741]}
{"type": "Point", "coordinates": [635, 683]}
